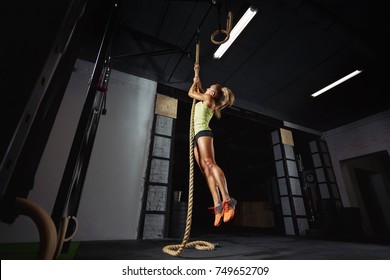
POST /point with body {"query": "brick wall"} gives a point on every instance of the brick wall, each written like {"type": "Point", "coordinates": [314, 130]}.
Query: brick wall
{"type": "Point", "coordinates": [356, 139]}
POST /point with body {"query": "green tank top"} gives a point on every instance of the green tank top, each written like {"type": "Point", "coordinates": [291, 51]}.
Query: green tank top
{"type": "Point", "coordinates": [202, 117]}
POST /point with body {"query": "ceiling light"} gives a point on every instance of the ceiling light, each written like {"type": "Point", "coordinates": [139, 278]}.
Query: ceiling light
{"type": "Point", "coordinates": [237, 29]}
{"type": "Point", "coordinates": [349, 76]}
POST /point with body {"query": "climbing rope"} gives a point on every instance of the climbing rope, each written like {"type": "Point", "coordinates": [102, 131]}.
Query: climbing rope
{"type": "Point", "coordinates": [176, 250]}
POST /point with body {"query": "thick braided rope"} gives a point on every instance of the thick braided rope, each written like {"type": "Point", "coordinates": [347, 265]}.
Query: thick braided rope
{"type": "Point", "coordinates": [176, 250]}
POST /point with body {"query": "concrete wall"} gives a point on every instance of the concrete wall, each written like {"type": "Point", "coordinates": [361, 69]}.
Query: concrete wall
{"type": "Point", "coordinates": [356, 139]}
{"type": "Point", "coordinates": [111, 200]}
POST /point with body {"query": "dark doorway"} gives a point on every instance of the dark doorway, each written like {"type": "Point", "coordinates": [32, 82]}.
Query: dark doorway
{"type": "Point", "coordinates": [376, 198]}
{"type": "Point", "coordinates": [367, 180]}
{"type": "Point", "coordinates": [244, 151]}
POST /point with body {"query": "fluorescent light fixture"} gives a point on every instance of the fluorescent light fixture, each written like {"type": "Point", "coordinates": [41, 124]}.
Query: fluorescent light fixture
{"type": "Point", "coordinates": [237, 29]}
{"type": "Point", "coordinates": [349, 76]}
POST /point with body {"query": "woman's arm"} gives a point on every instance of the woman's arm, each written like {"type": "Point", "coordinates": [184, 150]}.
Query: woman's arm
{"type": "Point", "coordinates": [197, 78]}
{"type": "Point", "coordinates": [196, 92]}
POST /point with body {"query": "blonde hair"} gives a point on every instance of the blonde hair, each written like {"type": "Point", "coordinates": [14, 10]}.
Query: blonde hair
{"type": "Point", "coordinates": [225, 98]}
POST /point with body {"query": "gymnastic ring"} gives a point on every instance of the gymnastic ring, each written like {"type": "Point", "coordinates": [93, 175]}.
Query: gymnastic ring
{"type": "Point", "coordinates": [229, 23]}
{"type": "Point", "coordinates": [45, 225]}
{"type": "Point", "coordinates": [76, 225]}
{"type": "Point", "coordinates": [216, 32]}
{"type": "Point", "coordinates": [62, 233]}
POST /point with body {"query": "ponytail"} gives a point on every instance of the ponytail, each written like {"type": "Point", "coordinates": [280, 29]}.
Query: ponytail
{"type": "Point", "coordinates": [226, 99]}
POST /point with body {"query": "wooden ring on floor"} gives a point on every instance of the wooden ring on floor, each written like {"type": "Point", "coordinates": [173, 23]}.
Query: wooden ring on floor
{"type": "Point", "coordinates": [62, 233]}
{"type": "Point", "coordinates": [45, 225]}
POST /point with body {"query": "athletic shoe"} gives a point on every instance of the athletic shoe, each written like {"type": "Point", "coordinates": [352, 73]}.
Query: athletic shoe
{"type": "Point", "coordinates": [229, 209]}
{"type": "Point", "coordinates": [218, 214]}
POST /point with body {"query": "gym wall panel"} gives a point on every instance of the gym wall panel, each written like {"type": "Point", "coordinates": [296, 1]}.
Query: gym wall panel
{"type": "Point", "coordinates": [111, 200]}
{"type": "Point", "coordinates": [111, 203]}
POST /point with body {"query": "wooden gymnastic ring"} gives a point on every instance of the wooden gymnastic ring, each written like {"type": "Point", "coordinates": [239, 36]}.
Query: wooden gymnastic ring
{"type": "Point", "coordinates": [216, 32]}
{"type": "Point", "coordinates": [45, 225]}
{"type": "Point", "coordinates": [62, 234]}
{"type": "Point", "coordinates": [229, 23]}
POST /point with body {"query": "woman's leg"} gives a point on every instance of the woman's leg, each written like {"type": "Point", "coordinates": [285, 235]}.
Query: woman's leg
{"type": "Point", "coordinates": [206, 157]}
{"type": "Point", "coordinates": [210, 180]}
{"type": "Point", "coordinates": [213, 189]}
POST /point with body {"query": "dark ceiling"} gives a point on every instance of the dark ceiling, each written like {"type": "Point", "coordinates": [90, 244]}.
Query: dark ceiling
{"type": "Point", "coordinates": [288, 51]}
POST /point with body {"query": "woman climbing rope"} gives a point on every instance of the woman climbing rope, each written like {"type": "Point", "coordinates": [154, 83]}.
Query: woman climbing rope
{"type": "Point", "coordinates": [210, 103]}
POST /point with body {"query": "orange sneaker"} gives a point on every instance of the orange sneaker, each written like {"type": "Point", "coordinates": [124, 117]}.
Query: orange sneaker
{"type": "Point", "coordinates": [218, 214]}
{"type": "Point", "coordinates": [228, 209]}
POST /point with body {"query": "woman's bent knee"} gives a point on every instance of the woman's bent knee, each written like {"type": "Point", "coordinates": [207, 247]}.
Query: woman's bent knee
{"type": "Point", "coordinates": [211, 165]}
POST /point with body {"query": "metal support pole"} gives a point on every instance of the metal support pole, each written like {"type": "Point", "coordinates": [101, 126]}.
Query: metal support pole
{"type": "Point", "coordinates": [20, 162]}
{"type": "Point", "coordinates": [69, 194]}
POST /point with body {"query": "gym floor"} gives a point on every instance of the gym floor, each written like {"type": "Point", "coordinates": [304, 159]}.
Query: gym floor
{"type": "Point", "coordinates": [238, 246]}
